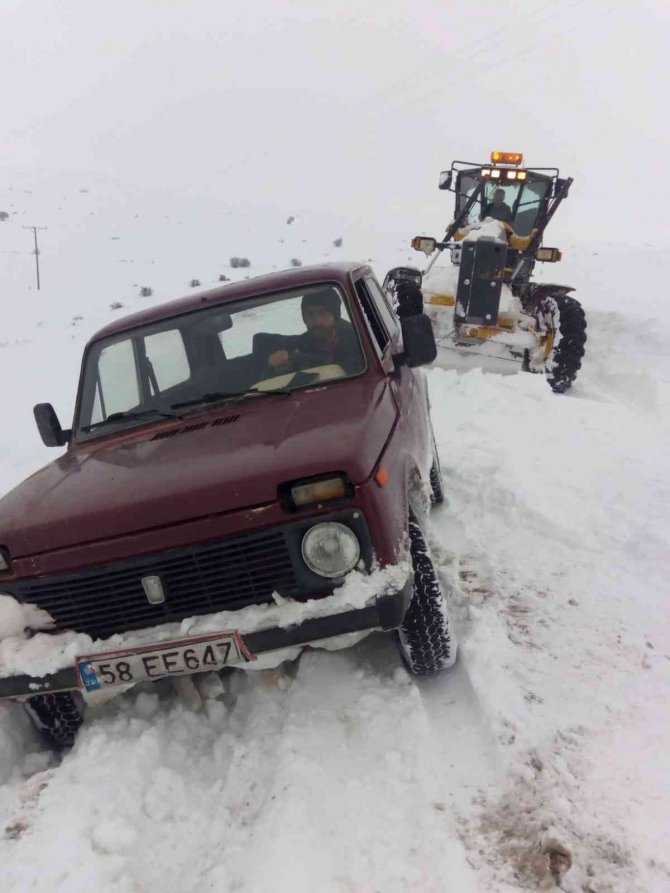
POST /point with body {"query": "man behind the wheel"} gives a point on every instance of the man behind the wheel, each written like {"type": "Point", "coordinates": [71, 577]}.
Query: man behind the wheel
{"type": "Point", "coordinates": [329, 339]}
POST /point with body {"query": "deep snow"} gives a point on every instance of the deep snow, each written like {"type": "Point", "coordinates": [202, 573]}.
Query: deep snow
{"type": "Point", "coordinates": [338, 772]}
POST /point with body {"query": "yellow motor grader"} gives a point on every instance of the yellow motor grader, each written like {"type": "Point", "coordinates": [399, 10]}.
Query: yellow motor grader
{"type": "Point", "coordinates": [485, 302]}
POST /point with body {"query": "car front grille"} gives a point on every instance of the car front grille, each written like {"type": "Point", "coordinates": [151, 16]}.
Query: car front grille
{"type": "Point", "coordinates": [201, 579]}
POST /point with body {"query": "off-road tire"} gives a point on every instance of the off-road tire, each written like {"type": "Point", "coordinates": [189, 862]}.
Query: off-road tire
{"type": "Point", "coordinates": [565, 360]}
{"type": "Point", "coordinates": [425, 639]}
{"type": "Point", "coordinates": [409, 299]}
{"type": "Point", "coordinates": [57, 716]}
{"type": "Point", "coordinates": [436, 482]}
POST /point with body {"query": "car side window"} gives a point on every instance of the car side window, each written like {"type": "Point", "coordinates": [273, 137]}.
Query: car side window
{"type": "Point", "coordinates": [387, 315]}
{"type": "Point", "coordinates": [167, 355]}
{"type": "Point", "coordinates": [118, 387]}
{"type": "Point", "coordinates": [372, 316]}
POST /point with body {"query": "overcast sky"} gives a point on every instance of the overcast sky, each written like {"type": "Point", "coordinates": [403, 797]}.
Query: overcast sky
{"type": "Point", "coordinates": [347, 105]}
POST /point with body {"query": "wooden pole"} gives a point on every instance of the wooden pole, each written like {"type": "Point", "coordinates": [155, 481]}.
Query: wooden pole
{"type": "Point", "coordinates": [37, 251]}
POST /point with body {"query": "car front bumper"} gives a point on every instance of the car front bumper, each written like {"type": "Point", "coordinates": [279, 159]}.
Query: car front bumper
{"type": "Point", "coordinates": [386, 613]}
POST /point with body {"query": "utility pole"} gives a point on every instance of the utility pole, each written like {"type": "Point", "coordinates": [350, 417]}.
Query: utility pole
{"type": "Point", "coordinates": [37, 251]}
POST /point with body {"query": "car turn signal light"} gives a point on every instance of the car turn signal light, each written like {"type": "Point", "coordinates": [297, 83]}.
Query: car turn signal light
{"type": "Point", "coordinates": [319, 491]}
{"type": "Point", "coordinates": [506, 157]}
{"type": "Point", "coordinates": [382, 476]}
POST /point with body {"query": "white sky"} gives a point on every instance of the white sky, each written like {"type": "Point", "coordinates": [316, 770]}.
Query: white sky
{"type": "Point", "coordinates": [350, 106]}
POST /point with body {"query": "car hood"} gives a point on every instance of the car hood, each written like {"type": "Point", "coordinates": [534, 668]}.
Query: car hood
{"type": "Point", "coordinates": [231, 458]}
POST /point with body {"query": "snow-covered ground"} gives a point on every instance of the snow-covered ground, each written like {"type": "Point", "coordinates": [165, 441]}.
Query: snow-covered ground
{"type": "Point", "coordinates": [548, 743]}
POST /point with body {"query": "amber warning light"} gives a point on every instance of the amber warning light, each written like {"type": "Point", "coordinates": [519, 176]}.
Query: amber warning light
{"type": "Point", "coordinates": [506, 157]}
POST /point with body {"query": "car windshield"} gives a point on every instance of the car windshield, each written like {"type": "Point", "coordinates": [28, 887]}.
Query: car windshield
{"type": "Point", "coordinates": [250, 348]}
{"type": "Point", "coordinates": [516, 203]}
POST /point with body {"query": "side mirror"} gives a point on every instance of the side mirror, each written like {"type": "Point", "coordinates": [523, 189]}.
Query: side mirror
{"type": "Point", "coordinates": [418, 339]}
{"type": "Point", "coordinates": [427, 244]}
{"type": "Point", "coordinates": [401, 274]}
{"type": "Point", "coordinates": [561, 185]}
{"type": "Point", "coordinates": [445, 180]}
{"type": "Point", "coordinates": [548, 255]}
{"type": "Point", "coordinates": [49, 427]}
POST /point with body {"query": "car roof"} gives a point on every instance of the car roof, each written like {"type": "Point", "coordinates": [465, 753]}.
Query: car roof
{"type": "Point", "coordinates": [247, 288]}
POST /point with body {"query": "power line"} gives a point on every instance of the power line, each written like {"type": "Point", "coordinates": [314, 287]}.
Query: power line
{"type": "Point", "coordinates": [462, 54]}
{"type": "Point", "coordinates": [531, 49]}
{"type": "Point", "coordinates": [364, 141]}
{"type": "Point", "coordinates": [460, 57]}
{"type": "Point", "coordinates": [463, 59]}
{"type": "Point", "coordinates": [372, 117]}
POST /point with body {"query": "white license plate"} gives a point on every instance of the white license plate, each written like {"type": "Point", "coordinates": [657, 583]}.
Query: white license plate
{"type": "Point", "coordinates": [179, 658]}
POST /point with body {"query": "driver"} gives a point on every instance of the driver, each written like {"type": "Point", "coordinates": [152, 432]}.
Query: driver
{"type": "Point", "coordinates": [328, 339]}
{"type": "Point", "coordinates": [497, 208]}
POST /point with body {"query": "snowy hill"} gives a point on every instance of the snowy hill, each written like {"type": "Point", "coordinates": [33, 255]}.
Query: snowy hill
{"type": "Point", "coordinates": [549, 743]}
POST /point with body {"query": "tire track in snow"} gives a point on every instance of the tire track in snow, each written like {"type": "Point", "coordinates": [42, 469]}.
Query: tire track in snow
{"type": "Point", "coordinates": [359, 804]}
{"type": "Point", "coordinates": [334, 780]}
{"type": "Point", "coordinates": [567, 516]}
{"type": "Point", "coordinates": [146, 795]}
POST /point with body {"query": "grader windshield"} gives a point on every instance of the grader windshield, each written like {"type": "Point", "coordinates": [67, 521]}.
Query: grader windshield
{"type": "Point", "coordinates": [517, 202]}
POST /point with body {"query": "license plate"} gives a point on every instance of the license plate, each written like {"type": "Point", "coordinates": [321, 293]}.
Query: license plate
{"type": "Point", "coordinates": [127, 666]}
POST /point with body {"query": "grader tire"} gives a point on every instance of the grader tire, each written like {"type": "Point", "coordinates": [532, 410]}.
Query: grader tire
{"type": "Point", "coordinates": [565, 359]}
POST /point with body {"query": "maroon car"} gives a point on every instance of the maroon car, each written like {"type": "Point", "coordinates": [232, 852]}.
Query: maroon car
{"type": "Point", "coordinates": [241, 461]}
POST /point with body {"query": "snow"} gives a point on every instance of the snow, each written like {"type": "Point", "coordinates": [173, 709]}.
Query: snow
{"type": "Point", "coordinates": [16, 619]}
{"type": "Point", "coordinates": [485, 229]}
{"type": "Point", "coordinates": [566, 547]}
{"type": "Point", "coordinates": [547, 743]}
{"type": "Point", "coordinates": [442, 279]}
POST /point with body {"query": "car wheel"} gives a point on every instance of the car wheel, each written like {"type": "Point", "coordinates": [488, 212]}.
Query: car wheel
{"type": "Point", "coordinates": [436, 482]}
{"type": "Point", "coordinates": [57, 716]}
{"type": "Point", "coordinates": [426, 639]}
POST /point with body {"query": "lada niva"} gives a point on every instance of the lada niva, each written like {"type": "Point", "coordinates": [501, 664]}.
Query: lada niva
{"type": "Point", "coordinates": [248, 471]}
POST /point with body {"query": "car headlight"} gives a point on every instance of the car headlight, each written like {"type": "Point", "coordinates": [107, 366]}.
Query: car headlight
{"type": "Point", "coordinates": [330, 549]}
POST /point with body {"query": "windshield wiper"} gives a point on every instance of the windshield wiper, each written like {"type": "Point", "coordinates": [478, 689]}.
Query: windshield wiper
{"type": "Point", "coordinates": [132, 414]}
{"type": "Point", "coordinates": [231, 395]}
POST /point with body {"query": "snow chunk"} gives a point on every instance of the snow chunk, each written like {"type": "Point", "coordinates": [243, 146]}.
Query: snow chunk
{"type": "Point", "coordinates": [15, 618]}
{"type": "Point", "coordinates": [489, 228]}
{"type": "Point", "coordinates": [441, 281]}
{"type": "Point", "coordinates": [113, 836]}
{"type": "Point", "coordinates": [47, 653]}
